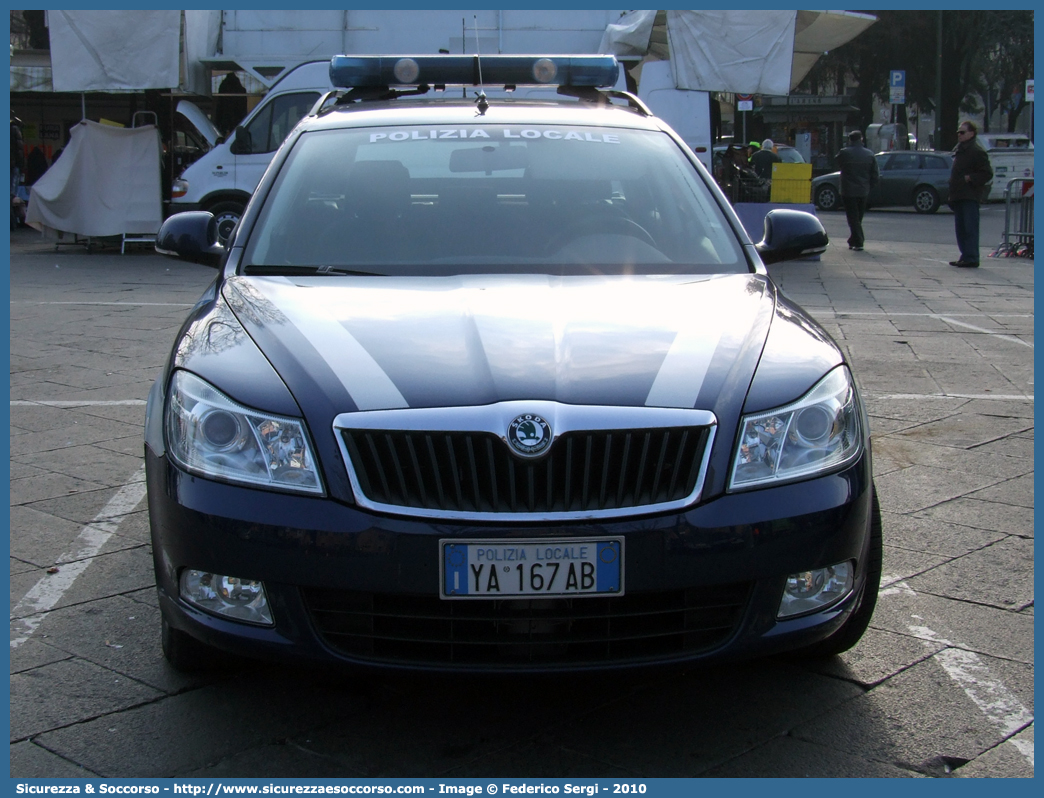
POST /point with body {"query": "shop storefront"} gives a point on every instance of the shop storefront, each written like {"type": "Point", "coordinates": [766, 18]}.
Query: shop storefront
{"type": "Point", "coordinates": [816, 126]}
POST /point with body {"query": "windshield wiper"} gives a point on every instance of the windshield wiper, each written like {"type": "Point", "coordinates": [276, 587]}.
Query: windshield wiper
{"type": "Point", "coordinates": [267, 270]}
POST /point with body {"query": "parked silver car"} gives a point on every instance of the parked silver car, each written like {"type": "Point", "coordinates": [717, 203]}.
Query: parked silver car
{"type": "Point", "coordinates": [908, 177]}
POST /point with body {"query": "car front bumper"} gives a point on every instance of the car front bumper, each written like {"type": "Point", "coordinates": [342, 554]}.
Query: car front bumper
{"type": "Point", "coordinates": [360, 588]}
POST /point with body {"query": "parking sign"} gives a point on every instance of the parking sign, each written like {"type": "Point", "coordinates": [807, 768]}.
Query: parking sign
{"type": "Point", "coordinates": [897, 87]}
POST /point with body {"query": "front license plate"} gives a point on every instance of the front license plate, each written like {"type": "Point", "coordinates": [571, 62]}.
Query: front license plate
{"type": "Point", "coordinates": [499, 568]}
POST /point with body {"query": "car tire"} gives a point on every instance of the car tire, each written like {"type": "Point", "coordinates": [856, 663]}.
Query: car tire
{"type": "Point", "coordinates": [186, 654]}
{"type": "Point", "coordinates": [828, 198]}
{"type": "Point", "coordinates": [227, 215]}
{"type": "Point", "coordinates": [926, 200]}
{"type": "Point", "coordinates": [855, 626]}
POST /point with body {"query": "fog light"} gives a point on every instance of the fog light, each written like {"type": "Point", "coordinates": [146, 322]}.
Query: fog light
{"type": "Point", "coordinates": [228, 596]}
{"type": "Point", "coordinates": [817, 589]}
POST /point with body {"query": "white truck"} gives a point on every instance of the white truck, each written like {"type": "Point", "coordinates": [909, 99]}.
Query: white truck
{"type": "Point", "coordinates": [1011, 155]}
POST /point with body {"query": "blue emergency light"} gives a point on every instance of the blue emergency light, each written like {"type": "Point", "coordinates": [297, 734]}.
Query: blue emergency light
{"type": "Point", "coordinates": [372, 71]}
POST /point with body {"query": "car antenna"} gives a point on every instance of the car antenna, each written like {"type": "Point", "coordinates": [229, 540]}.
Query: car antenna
{"type": "Point", "coordinates": [481, 96]}
{"type": "Point", "coordinates": [463, 51]}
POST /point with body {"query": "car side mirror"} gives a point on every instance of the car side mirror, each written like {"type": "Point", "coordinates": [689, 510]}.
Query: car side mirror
{"type": "Point", "coordinates": [192, 235]}
{"type": "Point", "coordinates": [242, 144]}
{"type": "Point", "coordinates": [791, 234]}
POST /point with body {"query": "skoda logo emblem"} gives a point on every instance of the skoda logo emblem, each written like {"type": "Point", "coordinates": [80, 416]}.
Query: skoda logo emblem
{"type": "Point", "coordinates": [529, 435]}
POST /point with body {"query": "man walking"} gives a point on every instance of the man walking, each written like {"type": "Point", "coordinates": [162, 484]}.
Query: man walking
{"type": "Point", "coordinates": [970, 173]}
{"type": "Point", "coordinates": [858, 175]}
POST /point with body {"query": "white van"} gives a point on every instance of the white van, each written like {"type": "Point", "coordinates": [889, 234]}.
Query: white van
{"type": "Point", "coordinates": [886, 137]}
{"type": "Point", "coordinates": [223, 180]}
{"type": "Point", "coordinates": [688, 112]}
{"type": "Point", "coordinates": [1011, 155]}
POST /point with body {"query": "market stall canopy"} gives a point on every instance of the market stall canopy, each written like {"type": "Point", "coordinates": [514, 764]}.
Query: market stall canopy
{"type": "Point", "coordinates": [116, 51]}
{"type": "Point", "coordinates": [751, 52]}
{"type": "Point", "coordinates": [819, 32]}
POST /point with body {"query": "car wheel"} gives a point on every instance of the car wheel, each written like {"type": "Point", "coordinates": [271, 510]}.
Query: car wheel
{"type": "Point", "coordinates": [186, 654]}
{"type": "Point", "coordinates": [227, 215]}
{"type": "Point", "coordinates": [827, 198]}
{"type": "Point", "coordinates": [926, 200]}
{"type": "Point", "coordinates": [852, 630]}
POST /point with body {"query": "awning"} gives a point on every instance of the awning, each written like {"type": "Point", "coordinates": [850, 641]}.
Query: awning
{"type": "Point", "coordinates": [818, 32]}
{"type": "Point", "coordinates": [751, 52]}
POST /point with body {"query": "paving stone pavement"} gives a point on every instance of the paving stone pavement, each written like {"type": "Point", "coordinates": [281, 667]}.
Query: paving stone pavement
{"type": "Point", "coordinates": [941, 686]}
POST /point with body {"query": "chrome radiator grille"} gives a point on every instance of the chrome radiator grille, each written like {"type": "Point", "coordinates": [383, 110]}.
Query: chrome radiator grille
{"type": "Point", "coordinates": [475, 472]}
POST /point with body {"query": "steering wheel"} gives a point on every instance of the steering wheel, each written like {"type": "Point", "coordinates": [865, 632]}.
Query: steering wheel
{"type": "Point", "coordinates": [595, 225]}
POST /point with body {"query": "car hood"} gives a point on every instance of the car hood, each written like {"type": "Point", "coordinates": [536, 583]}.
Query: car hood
{"type": "Point", "coordinates": [832, 177]}
{"type": "Point", "coordinates": [199, 121]}
{"type": "Point", "coordinates": [375, 343]}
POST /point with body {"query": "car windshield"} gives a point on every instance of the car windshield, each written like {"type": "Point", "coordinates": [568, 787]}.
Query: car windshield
{"type": "Point", "coordinates": [429, 200]}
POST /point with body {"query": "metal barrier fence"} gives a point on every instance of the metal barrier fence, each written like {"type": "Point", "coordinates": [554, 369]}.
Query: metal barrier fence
{"type": "Point", "coordinates": [1018, 220]}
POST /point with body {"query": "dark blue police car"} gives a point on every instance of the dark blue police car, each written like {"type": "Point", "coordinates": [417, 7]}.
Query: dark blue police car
{"type": "Point", "coordinates": [501, 384]}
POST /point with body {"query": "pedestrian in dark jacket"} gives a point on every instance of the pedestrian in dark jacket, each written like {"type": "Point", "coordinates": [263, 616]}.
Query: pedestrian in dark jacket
{"type": "Point", "coordinates": [858, 175]}
{"type": "Point", "coordinates": [35, 165]}
{"type": "Point", "coordinates": [970, 173]}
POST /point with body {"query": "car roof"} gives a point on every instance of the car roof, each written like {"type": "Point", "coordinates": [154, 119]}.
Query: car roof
{"type": "Point", "coordinates": [918, 152]}
{"type": "Point", "coordinates": [463, 112]}
{"type": "Point", "coordinates": [744, 146]}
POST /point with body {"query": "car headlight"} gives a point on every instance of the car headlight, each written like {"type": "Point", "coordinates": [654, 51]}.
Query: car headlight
{"type": "Point", "coordinates": [209, 434]}
{"type": "Point", "coordinates": [819, 432]}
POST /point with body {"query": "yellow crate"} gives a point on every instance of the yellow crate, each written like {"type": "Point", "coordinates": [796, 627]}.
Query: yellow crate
{"type": "Point", "coordinates": [791, 183]}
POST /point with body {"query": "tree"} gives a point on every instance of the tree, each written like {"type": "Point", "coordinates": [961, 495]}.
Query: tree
{"type": "Point", "coordinates": [895, 41]}
{"type": "Point", "coordinates": [985, 55]}
{"type": "Point", "coordinates": [1006, 62]}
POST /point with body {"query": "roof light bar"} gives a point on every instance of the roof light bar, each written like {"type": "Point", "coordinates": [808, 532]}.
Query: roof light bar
{"type": "Point", "coordinates": [369, 71]}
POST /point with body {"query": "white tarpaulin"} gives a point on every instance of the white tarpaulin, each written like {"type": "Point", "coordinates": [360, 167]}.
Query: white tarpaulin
{"type": "Point", "coordinates": [114, 50]}
{"type": "Point", "coordinates": [202, 35]}
{"type": "Point", "coordinates": [751, 52]}
{"type": "Point", "coordinates": [106, 183]}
